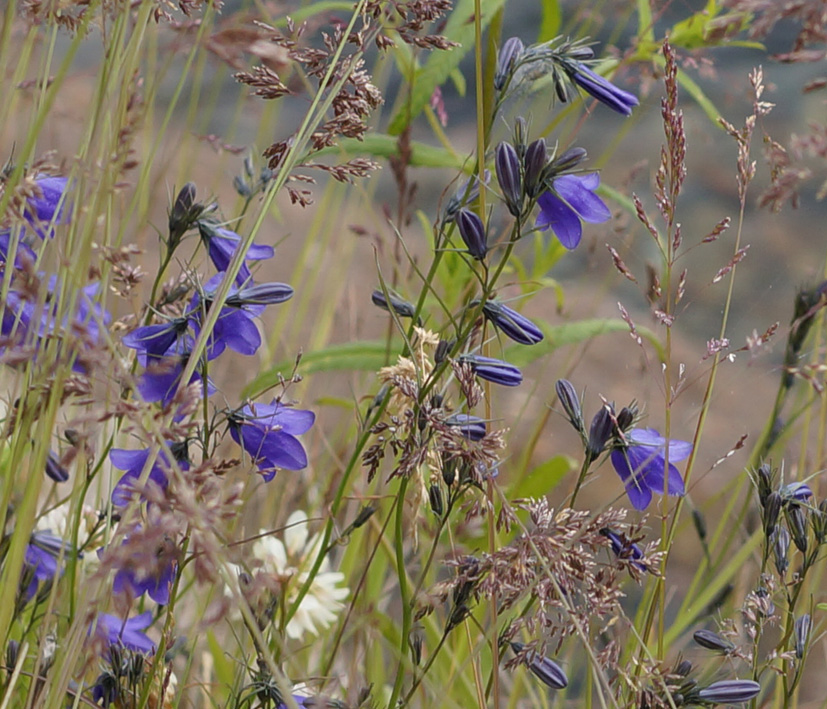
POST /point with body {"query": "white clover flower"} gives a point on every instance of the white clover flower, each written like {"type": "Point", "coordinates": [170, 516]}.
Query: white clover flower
{"type": "Point", "coordinates": [290, 562]}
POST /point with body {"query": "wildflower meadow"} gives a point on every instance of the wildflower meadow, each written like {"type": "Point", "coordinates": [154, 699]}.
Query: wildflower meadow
{"type": "Point", "coordinates": [413, 353]}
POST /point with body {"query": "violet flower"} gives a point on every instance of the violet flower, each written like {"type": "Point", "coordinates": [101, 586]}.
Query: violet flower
{"type": "Point", "coordinates": [624, 548]}
{"type": "Point", "coordinates": [126, 633]}
{"type": "Point", "coordinates": [41, 560]}
{"type": "Point", "coordinates": [267, 432]}
{"type": "Point", "coordinates": [134, 462]}
{"type": "Point", "coordinates": [46, 210]}
{"type": "Point", "coordinates": [570, 200]}
{"type": "Point", "coordinates": [153, 574]}
{"type": "Point", "coordinates": [222, 244]}
{"type": "Point", "coordinates": [642, 461]}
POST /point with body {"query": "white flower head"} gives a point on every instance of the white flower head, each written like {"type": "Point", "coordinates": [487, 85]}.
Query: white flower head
{"type": "Point", "coordinates": [290, 562]}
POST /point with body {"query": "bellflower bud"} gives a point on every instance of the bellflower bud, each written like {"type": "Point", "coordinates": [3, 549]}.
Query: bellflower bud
{"type": "Point", "coordinates": [797, 522]}
{"type": "Point", "coordinates": [443, 348]}
{"type": "Point", "coordinates": [801, 632]}
{"type": "Point", "coordinates": [780, 550]}
{"type": "Point", "coordinates": [436, 499]}
{"type": "Point", "coordinates": [764, 478]}
{"type": "Point", "coordinates": [511, 323]}
{"type": "Point", "coordinates": [600, 430]}
{"type": "Point", "coordinates": [602, 89]}
{"type": "Point", "coordinates": [772, 508]}
{"type": "Point", "coordinates": [570, 403]}
{"type": "Point", "coordinates": [508, 175]}
{"type": "Point", "coordinates": [626, 417]}
{"type": "Point", "coordinates": [472, 231]}
{"type": "Point", "coordinates": [546, 670]}
{"type": "Point", "coordinates": [507, 58]}
{"type": "Point", "coordinates": [536, 159]}
{"type": "Point", "coordinates": [472, 427]}
{"type": "Point", "coordinates": [569, 160]}
{"type": "Point", "coordinates": [493, 370]}
{"type": "Point", "coordinates": [731, 691]}
{"type": "Point", "coordinates": [402, 308]}
{"type": "Point", "coordinates": [712, 641]}
{"type": "Point", "coordinates": [467, 193]}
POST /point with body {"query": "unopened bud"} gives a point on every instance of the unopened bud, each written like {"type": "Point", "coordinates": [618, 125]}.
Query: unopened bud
{"type": "Point", "coordinates": [536, 158]}
{"type": "Point", "coordinates": [570, 403]}
{"type": "Point", "coordinates": [772, 508]}
{"type": "Point", "coordinates": [801, 632]}
{"type": "Point", "coordinates": [780, 549]}
{"type": "Point", "coordinates": [797, 522]}
{"type": "Point", "coordinates": [509, 177]}
{"type": "Point", "coordinates": [401, 307]}
{"type": "Point", "coordinates": [507, 58]}
{"type": "Point", "coordinates": [712, 641]}
{"type": "Point", "coordinates": [472, 231]}
{"type": "Point", "coordinates": [600, 431]}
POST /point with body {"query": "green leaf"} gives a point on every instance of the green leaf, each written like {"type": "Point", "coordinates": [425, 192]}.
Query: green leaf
{"type": "Point", "coordinates": [360, 356]}
{"type": "Point", "coordinates": [545, 477]}
{"type": "Point", "coordinates": [384, 146]}
{"type": "Point", "coordinates": [573, 334]}
{"type": "Point", "coordinates": [550, 24]}
{"type": "Point", "coordinates": [224, 669]}
{"type": "Point", "coordinates": [440, 64]}
{"type": "Point", "coordinates": [459, 82]}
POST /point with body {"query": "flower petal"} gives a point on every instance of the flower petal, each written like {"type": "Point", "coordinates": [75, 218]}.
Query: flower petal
{"type": "Point", "coordinates": [578, 191]}
{"type": "Point", "coordinates": [563, 220]}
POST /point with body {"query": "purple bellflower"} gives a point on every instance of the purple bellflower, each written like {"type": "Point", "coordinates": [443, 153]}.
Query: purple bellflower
{"type": "Point", "coordinates": [152, 574]}
{"type": "Point", "coordinates": [511, 323]}
{"type": "Point", "coordinates": [267, 432]}
{"type": "Point", "coordinates": [126, 633]}
{"type": "Point", "coordinates": [493, 370]}
{"type": "Point", "coordinates": [222, 244]}
{"type": "Point", "coordinates": [41, 557]}
{"type": "Point", "coordinates": [155, 341]}
{"type": "Point", "coordinates": [162, 377]}
{"type": "Point", "coordinates": [641, 464]}
{"type": "Point", "coordinates": [134, 462]}
{"type": "Point", "coordinates": [570, 200]}
{"type": "Point", "coordinates": [47, 209]}
{"type": "Point", "coordinates": [602, 89]}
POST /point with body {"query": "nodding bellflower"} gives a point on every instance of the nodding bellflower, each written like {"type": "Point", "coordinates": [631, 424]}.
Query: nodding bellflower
{"type": "Point", "coordinates": [126, 632]}
{"type": "Point", "coordinates": [571, 200]}
{"type": "Point", "coordinates": [511, 323]}
{"type": "Point", "coordinates": [41, 558]}
{"type": "Point", "coordinates": [222, 244]}
{"type": "Point", "coordinates": [641, 463]}
{"type": "Point", "coordinates": [46, 209]}
{"type": "Point", "coordinates": [134, 462]}
{"type": "Point", "coordinates": [150, 573]}
{"type": "Point", "coordinates": [267, 432]}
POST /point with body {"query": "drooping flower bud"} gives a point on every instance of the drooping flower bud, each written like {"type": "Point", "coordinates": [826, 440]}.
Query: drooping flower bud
{"type": "Point", "coordinates": [712, 641]}
{"type": "Point", "coordinates": [626, 417]}
{"type": "Point", "coordinates": [568, 160]}
{"type": "Point", "coordinates": [796, 492]}
{"type": "Point", "coordinates": [511, 323]}
{"type": "Point", "coordinates": [472, 427]}
{"type": "Point", "coordinates": [436, 499]}
{"type": "Point", "coordinates": [401, 307]}
{"type": "Point", "coordinates": [494, 370]}
{"type": "Point", "coordinates": [545, 669]}
{"type": "Point", "coordinates": [509, 177]}
{"type": "Point", "coordinates": [472, 231]}
{"type": "Point", "coordinates": [764, 478]}
{"type": "Point", "coordinates": [731, 691]}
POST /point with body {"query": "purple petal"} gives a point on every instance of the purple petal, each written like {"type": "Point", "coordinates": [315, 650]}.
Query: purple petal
{"type": "Point", "coordinates": [128, 459]}
{"type": "Point", "coordinates": [639, 493]}
{"type": "Point", "coordinates": [578, 192]}
{"type": "Point", "coordinates": [238, 332]}
{"type": "Point", "coordinates": [563, 220]}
